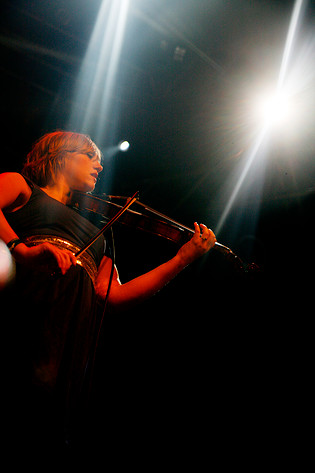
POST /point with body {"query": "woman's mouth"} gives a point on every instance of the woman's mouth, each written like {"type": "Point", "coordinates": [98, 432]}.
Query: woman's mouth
{"type": "Point", "coordinates": [94, 175]}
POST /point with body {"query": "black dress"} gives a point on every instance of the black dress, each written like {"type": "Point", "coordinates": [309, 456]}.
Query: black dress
{"type": "Point", "coordinates": [53, 322]}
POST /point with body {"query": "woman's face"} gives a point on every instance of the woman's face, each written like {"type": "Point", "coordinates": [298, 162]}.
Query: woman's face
{"type": "Point", "coordinates": [81, 171]}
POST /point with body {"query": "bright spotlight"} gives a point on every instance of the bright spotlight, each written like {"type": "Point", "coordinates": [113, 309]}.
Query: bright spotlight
{"type": "Point", "coordinates": [278, 108]}
{"type": "Point", "coordinates": [274, 109]}
{"type": "Point", "coordinates": [124, 145]}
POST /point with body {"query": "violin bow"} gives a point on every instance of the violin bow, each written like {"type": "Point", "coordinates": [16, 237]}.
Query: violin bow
{"type": "Point", "coordinates": [129, 202]}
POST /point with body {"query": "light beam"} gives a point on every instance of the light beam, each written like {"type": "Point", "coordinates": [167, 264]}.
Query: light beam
{"type": "Point", "coordinates": [272, 109]}
{"type": "Point", "coordinates": [97, 80]}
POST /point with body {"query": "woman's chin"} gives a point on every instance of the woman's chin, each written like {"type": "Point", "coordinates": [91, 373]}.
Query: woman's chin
{"type": "Point", "coordinates": [87, 187]}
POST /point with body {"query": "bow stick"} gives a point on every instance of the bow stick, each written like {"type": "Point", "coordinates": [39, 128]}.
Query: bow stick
{"type": "Point", "coordinates": [108, 224]}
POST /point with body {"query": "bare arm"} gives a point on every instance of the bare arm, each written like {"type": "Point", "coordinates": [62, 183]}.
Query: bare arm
{"type": "Point", "coordinates": [14, 193]}
{"type": "Point", "coordinates": [138, 289]}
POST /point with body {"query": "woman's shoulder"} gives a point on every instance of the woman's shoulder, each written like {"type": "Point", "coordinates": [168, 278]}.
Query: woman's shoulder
{"type": "Point", "coordinates": [13, 178]}
{"type": "Point", "coordinates": [14, 189]}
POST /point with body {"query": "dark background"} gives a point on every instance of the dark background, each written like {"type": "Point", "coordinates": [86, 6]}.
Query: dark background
{"type": "Point", "coordinates": [184, 118]}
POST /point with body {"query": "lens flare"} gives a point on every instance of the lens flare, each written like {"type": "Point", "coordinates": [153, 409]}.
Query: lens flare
{"type": "Point", "coordinates": [274, 109]}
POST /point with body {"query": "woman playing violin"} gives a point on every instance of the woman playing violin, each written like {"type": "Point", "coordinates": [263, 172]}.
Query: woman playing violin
{"type": "Point", "coordinates": [55, 297]}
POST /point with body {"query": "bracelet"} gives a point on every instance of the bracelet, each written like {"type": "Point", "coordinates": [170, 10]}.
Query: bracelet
{"type": "Point", "coordinates": [13, 243]}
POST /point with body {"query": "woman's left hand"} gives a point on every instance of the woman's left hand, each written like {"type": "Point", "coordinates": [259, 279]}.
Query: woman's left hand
{"type": "Point", "coordinates": [202, 241]}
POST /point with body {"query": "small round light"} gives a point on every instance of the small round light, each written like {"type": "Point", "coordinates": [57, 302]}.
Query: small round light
{"type": "Point", "coordinates": [124, 145]}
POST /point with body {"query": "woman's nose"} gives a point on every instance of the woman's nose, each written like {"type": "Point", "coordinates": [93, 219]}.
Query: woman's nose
{"type": "Point", "coordinates": [99, 167]}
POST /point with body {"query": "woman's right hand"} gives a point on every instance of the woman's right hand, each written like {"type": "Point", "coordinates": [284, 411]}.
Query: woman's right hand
{"type": "Point", "coordinates": [45, 257]}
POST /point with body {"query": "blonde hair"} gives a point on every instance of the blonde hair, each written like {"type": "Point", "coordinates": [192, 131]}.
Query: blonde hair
{"type": "Point", "coordinates": [47, 157]}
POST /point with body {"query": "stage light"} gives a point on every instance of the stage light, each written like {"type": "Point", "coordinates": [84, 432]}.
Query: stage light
{"type": "Point", "coordinates": [124, 145]}
{"type": "Point", "coordinates": [271, 109]}
{"type": "Point", "coordinates": [274, 109]}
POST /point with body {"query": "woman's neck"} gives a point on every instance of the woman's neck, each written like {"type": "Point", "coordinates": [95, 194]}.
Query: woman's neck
{"type": "Point", "coordinates": [59, 191]}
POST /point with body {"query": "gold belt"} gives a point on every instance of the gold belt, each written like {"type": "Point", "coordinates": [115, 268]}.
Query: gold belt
{"type": "Point", "coordinates": [84, 260]}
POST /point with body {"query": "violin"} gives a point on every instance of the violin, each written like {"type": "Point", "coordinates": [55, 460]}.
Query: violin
{"type": "Point", "coordinates": [143, 218]}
